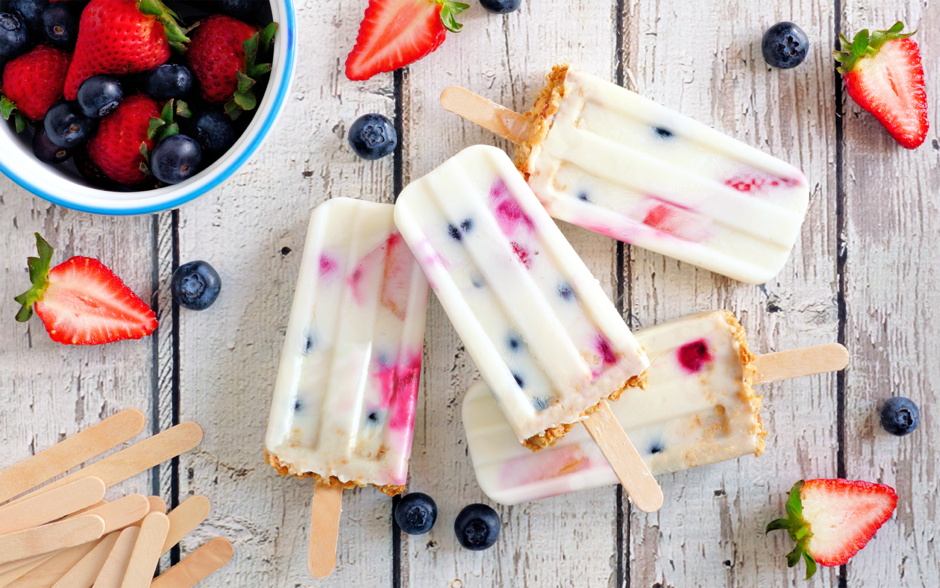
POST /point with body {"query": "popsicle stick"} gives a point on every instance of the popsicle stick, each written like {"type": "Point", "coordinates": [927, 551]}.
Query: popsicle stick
{"type": "Point", "coordinates": [800, 362]}
{"type": "Point", "coordinates": [185, 518]}
{"type": "Point", "coordinates": [20, 568]}
{"type": "Point", "coordinates": [55, 567]}
{"type": "Point", "coordinates": [71, 452]}
{"type": "Point", "coordinates": [197, 567]}
{"type": "Point", "coordinates": [51, 537]}
{"type": "Point", "coordinates": [112, 572]}
{"type": "Point", "coordinates": [122, 512]}
{"type": "Point", "coordinates": [52, 505]}
{"type": "Point", "coordinates": [324, 530]}
{"type": "Point", "coordinates": [624, 459]}
{"type": "Point", "coordinates": [137, 458]}
{"type": "Point", "coordinates": [147, 551]}
{"type": "Point", "coordinates": [157, 504]}
{"type": "Point", "coordinates": [504, 122]}
{"type": "Point", "coordinates": [83, 574]}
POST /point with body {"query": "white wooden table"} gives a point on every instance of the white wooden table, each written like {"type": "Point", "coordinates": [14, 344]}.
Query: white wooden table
{"type": "Point", "coordinates": [864, 272]}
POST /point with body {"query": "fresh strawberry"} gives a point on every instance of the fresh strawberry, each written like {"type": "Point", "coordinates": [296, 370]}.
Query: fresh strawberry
{"type": "Point", "coordinates": [831, 520]}
{"type": "Point", "coordinates": [123, 37]}
{"type": "Point", "coordinates": [116, 149]}
{"type": "Point", "coordinates": [82, 302]}
{"type": "Point", "coordinates": [32, 83]}
{"type": "Point", "coordinates": [396, 33]}
{"type": "Point", "coordinates": [223, 56]}
{"type": "Point", "coordinates": [885, 76]}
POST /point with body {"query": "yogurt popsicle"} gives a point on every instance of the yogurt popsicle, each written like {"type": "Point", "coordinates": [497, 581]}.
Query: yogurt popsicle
{"type": "Point", "coordinates": [545, 337]}
{"type": "Point", "coordinates": [607, 159]}
{"type": "Point", "coordinates": [699, 409]}
{"type": "Point", "coordinates": [346, 391]}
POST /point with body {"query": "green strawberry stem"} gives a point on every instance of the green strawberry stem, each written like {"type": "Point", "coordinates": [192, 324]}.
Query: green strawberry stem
{"type": "Point", "coordinates": [449, 12]}
{"type": "Point", "coordinates": [175, 34]}
{"type": "Point", "coordinates": [163, 127]}
{"type": "Point", "coordinates": [798, 529]}
{"type": "Point", "coordinates": [244, 98]}
{"type": "Point", "coordinates": [864, 45]}
{"type": "Point", "coordinates": [8, 109]}
{"type": "Point", "coordinates": [38, 275]}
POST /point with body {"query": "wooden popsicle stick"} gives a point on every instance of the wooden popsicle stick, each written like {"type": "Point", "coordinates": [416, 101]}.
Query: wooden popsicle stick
{"type": "Point", "coordinates": [112, 572]}
{"type": "Point", "coordinates": [83, 574]}
{"type": "Point", "coordinates": [137, 458]}
{"type": "Point", "coordinates": [51, 537]}
{"type": "Point", "coordinates": [783, 365]}
{"type": "Point", "coordinates": [157, 504]}
{"type": "Point", "coordinates": [504, 122]}
{"type": "Point", "coordinates": [55, 567]}
{"type": "Point", "coordinates": [14, 573]}
{"type": "Point", "coordinates": [324, 530]}
{"type": "Point", "coordinates": [197, 567]}
{"type": "Point", "coordinates": [122, 512]}
{"type": "Point", "coordinates": [185, 518]}
{"type": "Point", "coordinates": [71, 452]}
{"type": "Point", "coordinates": [147, 551]}
{"type": "Point", "coordinates": [624, 459]}
{"type": "Point", "coordinates": [51, 506]}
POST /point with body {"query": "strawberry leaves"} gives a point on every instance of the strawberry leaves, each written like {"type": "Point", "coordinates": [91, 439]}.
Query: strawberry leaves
{"type": "Point", "coordinates": [865, 44]}
{"type": "Point", "coordinates": [244, 98]}
{"type": "Point", "coordinates": [8, 109]}
{"type": "Point", "coordinates": [175, 34]}
{"type": "Point", "coordinates": [163, 127]}
{"type": "Point", "coordinates": [798, 529]}
{"type": "Point", "coordinates": [38, 275]}
{"type": "Point", "coordinates": [449, 12]}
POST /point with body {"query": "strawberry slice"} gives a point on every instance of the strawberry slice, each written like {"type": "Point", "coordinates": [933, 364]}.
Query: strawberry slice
{"type": "Point", "coordinates": [82, 302]}
{"type": "Point", "coordinates": [831, 520]}
{"type": "Point", "coordinates": [396, 33]}
{"type": "Point", "coordinates": [884, 75]}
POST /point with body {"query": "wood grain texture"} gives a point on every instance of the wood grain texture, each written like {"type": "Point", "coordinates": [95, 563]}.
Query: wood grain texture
{"type": "Point", "coordinates": [891, 297]}
{"type": "Point", "coordinates": [706, 63]}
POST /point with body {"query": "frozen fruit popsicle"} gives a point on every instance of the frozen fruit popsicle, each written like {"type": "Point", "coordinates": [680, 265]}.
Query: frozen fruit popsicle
{"type": "Point", "coordinates": [699, 409]}
{"type": "Point", "coordinates": [607, 159]}
{"type": "Point", "coordinates": [543, 334]}
{"type": "Point", "coordinates": [346, 391]}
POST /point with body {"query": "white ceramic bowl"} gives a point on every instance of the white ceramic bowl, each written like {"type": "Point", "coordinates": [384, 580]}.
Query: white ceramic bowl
{"type": "Point", "coordinates": [63, 185]}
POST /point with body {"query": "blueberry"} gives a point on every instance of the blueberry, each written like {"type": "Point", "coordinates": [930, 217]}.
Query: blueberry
{"type": "Point", "coordinates": [99, 96]}
{"type": "Point", "coordinates": [664, 133]}
{"type": "Point", "coordinates": [195, 285]}
{"type": "Point", "coordinates": [298, 405]}
{"type": "Point", "coordinates": [519, 381]}
{"type": "Point", "coordinates": [900, 416]}
{"type": "Point", "coordinates": [67, 126]}
{"type": "Point", "coordinates": [373, 136]}
{"type": "Point", "coordinates": [14, 37]}
{"type": "Point", "coordinates": [373, 418]}
{"type": "Point", "coordinates": [477, 527]}
{"type": "Point", "coordinates": [514, 342]}
{"type": "Point", "coordinates": [241, 9]}
{"type": "Point", "coordinates": [466, 225]}
{"type": "Point", "coordinates": [30, 13]}
{"type": "Point", "coordinates": [539, 404]}
{"type": "Point", "coordinates": [656, 448]}
{"type": "Point", "coordinates": [454, 232]}
{"type": "Point", "coordinates": [310, 343]}
{"type": "Point", "coordinates": [583, 197]}
{"type": "Point", "coordinates": [565, 291]}
{"type": "Point", "coordinates": [175, 159]}
{"type": "Point", "coordinates": [784, 45]}
{"type": "Point", "coordinates": [47, 151]}
{"type": "Point", "coordinates": [60, 24]}
{"type": "Point", "coordinates": [167, 81]}
{"type": "Point", "coordinates": [416, 513]}
{"type": "Point", "coordinates": [214, 133]}
{"type": "Point", "coordinates": [500, 6]}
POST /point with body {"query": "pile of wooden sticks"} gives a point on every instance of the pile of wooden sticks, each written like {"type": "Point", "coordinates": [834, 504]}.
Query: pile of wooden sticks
{"type": "Point", "coordinates": [64, 535]}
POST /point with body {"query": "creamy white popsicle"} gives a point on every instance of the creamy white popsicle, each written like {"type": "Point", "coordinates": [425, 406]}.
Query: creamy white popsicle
{"type": "Point", "coordinates": [699, 409]}
{"type": "Point", "coordinates": [543, 334]}
{"type": "Point", "coordinates": [346, 392]}
{"type": "Point", "coordinates": [609, 160]}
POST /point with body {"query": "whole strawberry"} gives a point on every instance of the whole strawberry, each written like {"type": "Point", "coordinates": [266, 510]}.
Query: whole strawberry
{"type": "Point", "coordinates": [116, 149]}
{"type": "Point", "coordinates": [33, 82]}
{"type": "Point", "coordinates": [223, 55]}
{"type": "Point", "coordinates": [122, 37]}
{"type": "Point", "coordinates": [884, 74]}
{"type": "Point", "coordinates": [82, 302]}
{"type": "Point", "coordinates": [831, 520]}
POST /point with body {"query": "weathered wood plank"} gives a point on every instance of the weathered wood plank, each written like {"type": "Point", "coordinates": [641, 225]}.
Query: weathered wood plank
{"type": "Point", "coordinates": [50, 390]}
{"type": "Point", "coordinates": [252, 231]}
{"type": "Point", "coordinates": [891, 272]}
{"type": "Point", "coordinates": [705, 61]}
{"type": "Point", "coordinates": [563, 541]}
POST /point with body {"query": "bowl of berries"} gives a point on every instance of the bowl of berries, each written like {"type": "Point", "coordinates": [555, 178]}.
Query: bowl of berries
{"type": "Point", "coordinates": [126, 107]}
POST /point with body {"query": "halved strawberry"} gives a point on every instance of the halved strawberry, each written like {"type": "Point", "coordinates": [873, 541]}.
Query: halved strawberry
{"type": "Point", "coordinates": [396, 33]}
{"type": "Point", "coordinates": [831, 520]}
{"type": "Point", "coordinates": [82, 302]}
{"type": "Point", "coordinates": [885, 76]}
